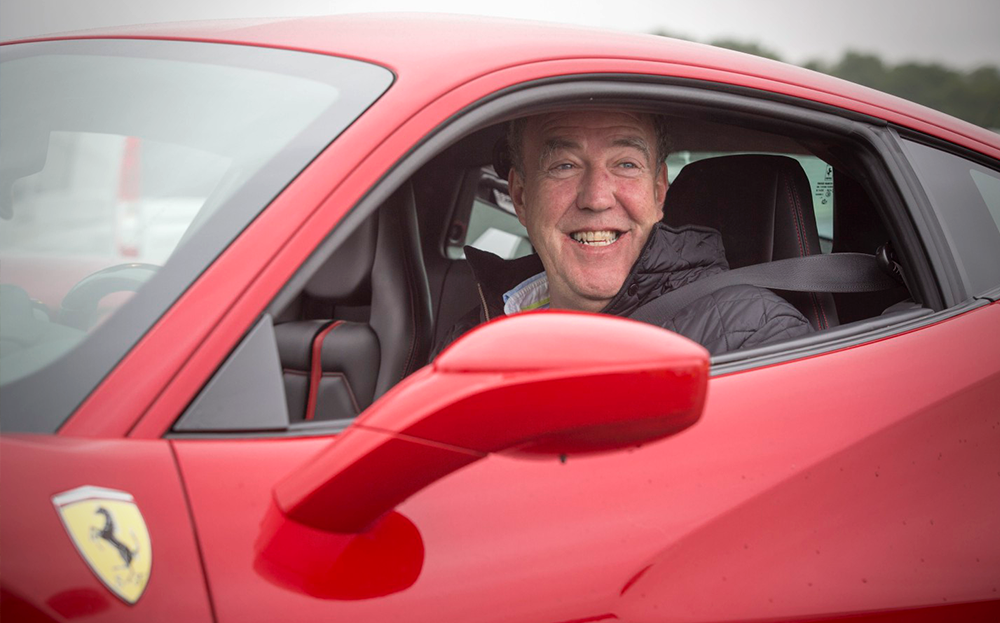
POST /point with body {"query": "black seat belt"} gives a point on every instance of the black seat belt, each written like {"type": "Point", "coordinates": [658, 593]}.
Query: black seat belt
{"type": "Point", "coordinates": [834, 272]}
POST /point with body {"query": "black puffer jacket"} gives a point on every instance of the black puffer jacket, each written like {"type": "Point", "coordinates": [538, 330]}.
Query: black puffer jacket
{"type": "Point", "coordinates": [729, 319]}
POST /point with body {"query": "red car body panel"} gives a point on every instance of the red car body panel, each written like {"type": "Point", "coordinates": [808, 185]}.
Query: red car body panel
{"type": "Point", "coordinates": [853, 506]}
{"type": "Point", "coordinates": [44, 575]}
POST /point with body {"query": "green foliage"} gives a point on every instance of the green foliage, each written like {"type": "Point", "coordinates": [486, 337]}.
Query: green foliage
{"type": "Point", "coordinates": [982, 101]}
{"type": "Point", "coordinates": [973, 96]}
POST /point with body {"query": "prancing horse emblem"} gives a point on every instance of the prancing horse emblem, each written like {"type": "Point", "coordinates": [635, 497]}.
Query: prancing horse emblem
{"type": "Point", "coordinates": [109, 532]}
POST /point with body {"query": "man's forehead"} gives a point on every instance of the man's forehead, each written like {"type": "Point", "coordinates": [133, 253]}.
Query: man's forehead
{"type": "Point", "coordinates": [569, 122]}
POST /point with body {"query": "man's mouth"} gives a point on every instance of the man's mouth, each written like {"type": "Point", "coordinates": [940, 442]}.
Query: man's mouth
{"type": "Point", "coordinates": [596, 238]}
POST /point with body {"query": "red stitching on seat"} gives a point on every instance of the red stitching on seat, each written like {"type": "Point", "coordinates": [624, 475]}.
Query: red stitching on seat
{"type": "Point", "coordinates": [316, 367]}
{"type": "Point", "coordinates": [798, 224]}
{"type": "Point", "coordinates": [824, 323]}
{"type": "Point", "coordinates": [796, 216]}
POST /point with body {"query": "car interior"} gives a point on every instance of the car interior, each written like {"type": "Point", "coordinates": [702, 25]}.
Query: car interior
{"type": "Point", "coordinates": [372, 311]}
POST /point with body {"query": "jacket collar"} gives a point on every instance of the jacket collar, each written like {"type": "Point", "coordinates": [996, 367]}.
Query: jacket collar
{"type": "Point", "coordinates": [671, 257]}
{"type": "Point", "coordinates": [496, 276]}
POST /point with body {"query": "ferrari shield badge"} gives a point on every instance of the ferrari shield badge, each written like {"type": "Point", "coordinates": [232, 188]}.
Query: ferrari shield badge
{"type": "Point", "coordinates": [109, 532]}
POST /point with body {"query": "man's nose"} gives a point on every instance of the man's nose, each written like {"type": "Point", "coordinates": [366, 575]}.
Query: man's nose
{"type": "Point", "coordinates": [596, 191]}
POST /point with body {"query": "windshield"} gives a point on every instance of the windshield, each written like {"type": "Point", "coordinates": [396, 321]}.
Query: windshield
{"type": "Point", "coordinates": [126, 167]}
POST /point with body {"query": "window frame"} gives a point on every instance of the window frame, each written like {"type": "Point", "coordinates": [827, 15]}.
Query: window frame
{"type": "Point", "coordinates": [886, 172]}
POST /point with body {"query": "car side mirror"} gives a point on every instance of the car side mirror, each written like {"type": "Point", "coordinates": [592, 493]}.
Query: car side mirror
{"type": "Point", "coordinates": [547, 383]}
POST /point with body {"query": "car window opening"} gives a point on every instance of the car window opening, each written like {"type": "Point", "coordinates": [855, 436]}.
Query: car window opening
{"type": "Point", "coordinates": [452, 202]}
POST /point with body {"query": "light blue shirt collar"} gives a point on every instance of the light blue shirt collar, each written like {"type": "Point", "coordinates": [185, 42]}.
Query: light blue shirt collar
{"type": "Point", "coordinates": [530, 294]}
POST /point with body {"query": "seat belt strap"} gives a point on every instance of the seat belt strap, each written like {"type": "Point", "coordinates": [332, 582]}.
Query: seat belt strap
{"type": "Point", "coordinates": [834, 272]}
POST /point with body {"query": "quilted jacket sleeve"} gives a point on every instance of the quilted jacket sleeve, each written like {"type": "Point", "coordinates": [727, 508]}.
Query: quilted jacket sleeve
{"type": "Point", "coordinates": [738, 317]}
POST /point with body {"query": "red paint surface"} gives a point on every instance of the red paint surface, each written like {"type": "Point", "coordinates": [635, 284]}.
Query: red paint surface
{"type": "Point", "coordinates": [40, 567]}
{"type": "Point", "coordinates": [385, 559]}
{"type": "Point", "coordinates": [853, 457]}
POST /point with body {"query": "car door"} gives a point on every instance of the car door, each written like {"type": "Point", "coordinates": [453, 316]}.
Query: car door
{"type": "Point", "coordinates": [877, 500]}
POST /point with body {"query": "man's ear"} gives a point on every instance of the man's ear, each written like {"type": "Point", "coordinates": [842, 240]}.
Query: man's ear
{"type": "Point", "coordinates": [660, 186]}
{"type": "Point", "coordinates": [515, 186]}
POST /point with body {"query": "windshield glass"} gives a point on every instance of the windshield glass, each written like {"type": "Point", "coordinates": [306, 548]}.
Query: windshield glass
{"type": "Point", "coordinates": [126, 167]}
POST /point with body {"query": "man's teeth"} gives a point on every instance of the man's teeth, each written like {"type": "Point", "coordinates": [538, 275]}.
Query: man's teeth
{"type": "Point", "coordinates": [595, 238]}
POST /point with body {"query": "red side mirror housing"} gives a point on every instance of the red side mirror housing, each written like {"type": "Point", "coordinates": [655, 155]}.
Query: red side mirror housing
{"type": "Point", "coordinates": [547, 383]}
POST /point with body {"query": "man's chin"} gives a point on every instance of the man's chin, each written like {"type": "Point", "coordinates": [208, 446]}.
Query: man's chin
{"type": "Point", "coordinates": [591, 298]}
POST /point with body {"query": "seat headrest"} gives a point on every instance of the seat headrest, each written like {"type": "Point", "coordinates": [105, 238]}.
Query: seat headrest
{"type": "Point", "coordinates": [345, 277]}
{"type": "Point", "coordinates": [741, 197]}
{"type": "Point", "coordinates": [501, 158]}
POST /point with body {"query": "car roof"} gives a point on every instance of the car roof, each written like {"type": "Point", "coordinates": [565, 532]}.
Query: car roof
{"type": "Point", "coordinates": [444, 51]}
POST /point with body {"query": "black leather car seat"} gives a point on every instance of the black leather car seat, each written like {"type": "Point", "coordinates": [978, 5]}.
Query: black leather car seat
{"type": "Point", "coordinates": [762, 206]}
{"type": "Point", "coordinates": [335, 366]}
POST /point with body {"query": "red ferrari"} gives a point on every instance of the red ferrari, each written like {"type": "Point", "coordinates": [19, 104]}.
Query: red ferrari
{"type": "Point", "coordinates": [229, 248]}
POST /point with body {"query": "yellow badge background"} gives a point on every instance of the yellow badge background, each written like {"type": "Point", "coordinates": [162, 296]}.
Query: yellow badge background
{"type": "Point", "coordinates": [84, 525]}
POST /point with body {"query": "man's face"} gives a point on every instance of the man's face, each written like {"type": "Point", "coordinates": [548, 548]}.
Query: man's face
{"type": "Point", "coordinates": [591, 192]}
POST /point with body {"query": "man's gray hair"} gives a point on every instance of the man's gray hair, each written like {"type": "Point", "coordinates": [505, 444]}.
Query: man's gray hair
{"type": "Point", "coordinates": [515, 140]}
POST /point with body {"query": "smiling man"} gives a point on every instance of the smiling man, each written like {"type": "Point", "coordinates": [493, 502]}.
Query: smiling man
{"type": "Point", "coordinates": [589, 187]}
{"type": "Point", "coordinates": [592, 192]}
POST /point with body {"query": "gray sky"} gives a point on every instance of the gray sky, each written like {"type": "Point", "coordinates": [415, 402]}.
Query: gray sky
{"type": "Point", "coordinates": [960, 33]}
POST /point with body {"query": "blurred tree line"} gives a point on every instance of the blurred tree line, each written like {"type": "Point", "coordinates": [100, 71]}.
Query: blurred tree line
{"type": "Point", "coordinates": [973, 96]}
{"type": "Point", "coordinates": [970, 95]}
